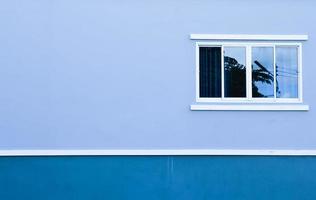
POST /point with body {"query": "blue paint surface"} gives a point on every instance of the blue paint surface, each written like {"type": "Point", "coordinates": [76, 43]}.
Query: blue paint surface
{"type": "Point", "coordinates": [158, 177]}
{"type": "Point", "coordinates": [120, 74]}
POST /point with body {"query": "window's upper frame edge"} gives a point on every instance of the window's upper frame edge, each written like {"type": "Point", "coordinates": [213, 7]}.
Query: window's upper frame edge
{"type": "Point", "coordinates": [248, 37]}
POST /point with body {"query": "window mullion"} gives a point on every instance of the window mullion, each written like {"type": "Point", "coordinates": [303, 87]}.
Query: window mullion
{"type": "Point", "coordinates": [300, 74]}
{"type": "Point", "coordinates": [274, 74]}
{"type": "Point", "coordinates": [223, 71]}
{"type": "Point", "coordinates": [248, 72]}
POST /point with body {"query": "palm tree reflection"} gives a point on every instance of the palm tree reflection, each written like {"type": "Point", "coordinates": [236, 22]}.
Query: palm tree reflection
{"type": "Point", "coordinates": [263, 75]}
{"type": "Point", "coordinates": [235, 78]}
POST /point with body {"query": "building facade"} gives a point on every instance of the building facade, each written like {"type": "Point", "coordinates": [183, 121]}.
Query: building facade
{"type": "Point", "coordinates": [125, 78]}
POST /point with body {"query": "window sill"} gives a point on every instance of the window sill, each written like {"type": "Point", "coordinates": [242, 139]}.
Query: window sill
{"type": "Point", "coordinates": [254, 107]}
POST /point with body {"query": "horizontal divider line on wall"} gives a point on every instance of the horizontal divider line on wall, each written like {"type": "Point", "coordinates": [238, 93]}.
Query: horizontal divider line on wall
{"type": "Point", "coordinates": [161, 152]}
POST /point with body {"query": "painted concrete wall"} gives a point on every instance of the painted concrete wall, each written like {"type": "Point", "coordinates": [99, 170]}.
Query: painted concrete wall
{"type": "Point", "coordinates": [121, 74]}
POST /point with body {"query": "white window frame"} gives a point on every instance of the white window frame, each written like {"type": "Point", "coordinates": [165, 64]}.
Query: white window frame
{"type": "Point", "coordinates": [248, 47]}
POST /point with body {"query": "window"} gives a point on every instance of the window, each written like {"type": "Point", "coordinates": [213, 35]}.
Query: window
{"type": "Point", "coordinates": [249, 72]}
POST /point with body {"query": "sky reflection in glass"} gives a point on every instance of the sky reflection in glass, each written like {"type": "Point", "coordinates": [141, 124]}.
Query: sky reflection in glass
{"type": "Point", "coordinates": [262, 72]}
{"type": "Point", "coordinates": [286, 72]}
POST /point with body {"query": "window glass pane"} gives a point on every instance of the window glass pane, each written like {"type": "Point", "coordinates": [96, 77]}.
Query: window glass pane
{"type": "Point", "coordinates": [262, 72]}
{"type": "Point", "coordinates": [235, 71]}
{"type": "Point", "coordinates": [210, 72]}
{"type": "Point", "coordinates": [286, 72]}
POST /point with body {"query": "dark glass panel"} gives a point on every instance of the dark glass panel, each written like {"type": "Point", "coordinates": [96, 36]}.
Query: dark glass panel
{"type": "Point", "coordinates": [210, 72]}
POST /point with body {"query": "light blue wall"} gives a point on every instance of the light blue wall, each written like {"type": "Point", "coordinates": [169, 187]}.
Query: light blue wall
{"type": "Point", "coordinates": [121, 74]}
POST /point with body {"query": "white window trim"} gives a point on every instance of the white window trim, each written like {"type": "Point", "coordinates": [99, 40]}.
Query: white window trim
{"type": "Point", "coordinates": [249, 37]}
{"type": "Point", "coordinates": [242, 107]}
{"type": "Point", "coordinates": [232, 102]}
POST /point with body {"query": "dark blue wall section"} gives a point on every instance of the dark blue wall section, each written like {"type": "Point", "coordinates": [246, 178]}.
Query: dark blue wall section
{"type": "Point", "coordinates": [158, 177]}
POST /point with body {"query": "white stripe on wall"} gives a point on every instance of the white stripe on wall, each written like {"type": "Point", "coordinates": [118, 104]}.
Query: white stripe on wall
{"type": "Point", "coordinates": [164, 152]}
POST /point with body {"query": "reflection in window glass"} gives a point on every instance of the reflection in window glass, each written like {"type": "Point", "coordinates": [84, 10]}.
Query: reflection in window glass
{"type": "Point", "coordinates": [286, 72]}
{"type": "Point", "coordinates": [210, 71]}
{"type": "Point", "coordinates": [235, 71]}
{"type": "Point", "coordinates": [262, 72]}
